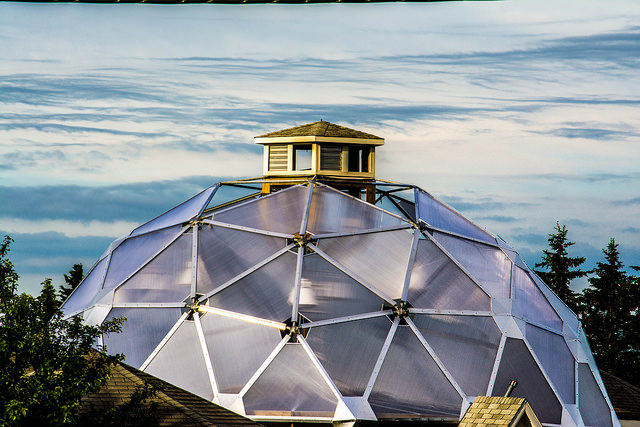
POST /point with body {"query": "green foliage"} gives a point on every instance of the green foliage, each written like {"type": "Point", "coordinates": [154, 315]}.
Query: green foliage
{"type": "Point", "coordinates": [560, 268]}
{"type": "Point", "coordinates": [72, 280]}
{"type": "Point", "coordinates": [48, 363]}
{"type": "Point", "coordinates": [610, 313]}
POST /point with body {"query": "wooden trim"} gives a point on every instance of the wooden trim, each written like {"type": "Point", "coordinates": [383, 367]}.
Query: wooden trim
{"type": "Point", "coordinates": [336, 140]}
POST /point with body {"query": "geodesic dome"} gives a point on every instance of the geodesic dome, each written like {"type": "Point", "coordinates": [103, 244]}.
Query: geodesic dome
{"type": "Point", "coordinates": [312, 305]}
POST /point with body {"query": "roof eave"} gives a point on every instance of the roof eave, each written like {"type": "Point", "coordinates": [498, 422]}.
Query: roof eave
{"type": "Point", "coordinates": [314, 138]}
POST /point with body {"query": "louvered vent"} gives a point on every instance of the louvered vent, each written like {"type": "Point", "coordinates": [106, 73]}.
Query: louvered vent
{"type": "Point", "coordinates": [330, 157]}
{"type": "Point", "coordinates": [278, 157]}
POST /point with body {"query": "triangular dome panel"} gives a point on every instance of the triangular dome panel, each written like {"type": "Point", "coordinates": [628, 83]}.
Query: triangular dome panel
{"type": "Point", "coordinates": [568, 317]}
{"type": "Point", "coordinates": [225, 253]}
{"type": "Point", "coordinates": [141, 332]}
{"type": "Point", "coordinates": [326, 292]}
{"type": "Point", "coordinates": [438, 215]}
{"type": "Point", "coordinates": [231, 194]}
{"type": "Point", "coordinates": [181, 362]}
{"type": "Point", "coordinates": [85, 294]}
{"type": "Point", "coordinates": [291, 386]}
{"type": "Point", "coordinates": [529, 302]}
{"type": "Point", "coordinates": [237, 349]}
{"type": "Point", "coordinates": [266, 293]}
{"type": "Point", "coordinates": [518, 364]}
{"type": "Point", "coordinates": [333, 211]}
{"type": "Point", "coordinates": [594, 409]}
{"type": "Point", "coordinates": [556, 359]}
{"type": "Point", "coordinates": [135, 252]}
{"type": "Point", "coordinates": [180, 214]}
{"type": "Point", "coordinates": [167, 278]}
{"type": "Point", "coordinates": [380, 259]}
{"type": "Point", "coordinates": [348, 351]}
{"type": "Point", "coordinates": [487, 264]}
{"type": "Point", "coordinates": [279, 212]}
{"type": "Point", "coordinates": [437, 282]}
{"type": "Point", "coordinates": [410, 383]}
{"type": "Point", "coordinates": [466, 345]}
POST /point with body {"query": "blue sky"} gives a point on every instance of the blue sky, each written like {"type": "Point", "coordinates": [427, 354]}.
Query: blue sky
{"type": "Point", "coordinates": [518, 114]}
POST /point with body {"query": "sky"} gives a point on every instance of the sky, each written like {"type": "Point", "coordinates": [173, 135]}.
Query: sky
{"type": "Point", "coordinates": [518, 114]}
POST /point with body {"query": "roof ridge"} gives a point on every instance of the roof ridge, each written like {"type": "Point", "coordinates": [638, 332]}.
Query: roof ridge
{"type": "Point", "coordinates": [326, 126]}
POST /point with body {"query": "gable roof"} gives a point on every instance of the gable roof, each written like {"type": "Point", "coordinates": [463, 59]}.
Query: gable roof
{"type": "Point", "coordinates": [488, 411]}
{"type": "Point", "coordinates": [320, 128]}
{"type": "Point", "coordinates": [175, 406]}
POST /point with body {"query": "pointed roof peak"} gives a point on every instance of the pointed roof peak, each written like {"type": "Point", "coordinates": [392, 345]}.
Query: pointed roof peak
{"type": "Point", "coordinates": [320, 128]}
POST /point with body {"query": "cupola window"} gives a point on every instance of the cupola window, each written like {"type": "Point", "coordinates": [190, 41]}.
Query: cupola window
{"type": "Point", "coordinates": [302, 156]}
{"type": "Point", "coordinates": [359, 159]}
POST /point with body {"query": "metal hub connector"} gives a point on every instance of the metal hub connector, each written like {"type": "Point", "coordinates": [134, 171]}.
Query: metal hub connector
{"type": "Point", "coordinates": [401, 309]}
{"type": "Point", "coordinates": [303, 240]}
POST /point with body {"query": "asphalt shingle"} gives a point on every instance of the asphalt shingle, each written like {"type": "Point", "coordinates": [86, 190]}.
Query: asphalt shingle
{"type": "Point", "coordinates": [320, 128]}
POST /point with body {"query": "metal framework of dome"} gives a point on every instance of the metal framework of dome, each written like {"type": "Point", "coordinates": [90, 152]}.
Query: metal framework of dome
{"type": "Point", "coordinates": [309, 304]}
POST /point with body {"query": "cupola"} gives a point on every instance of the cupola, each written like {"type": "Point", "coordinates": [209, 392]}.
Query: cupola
{"type": "Point", "coordinates": [322, 149]}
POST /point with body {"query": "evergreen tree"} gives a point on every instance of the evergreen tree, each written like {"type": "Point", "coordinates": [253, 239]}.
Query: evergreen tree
{"type": "Point", "coordinates": [610, 314]}
{"type": "Point", "coordinates": [559, 268]}
{"type": "Point", "coordinates": [46, 363]}
{"type": "Point", "coordinates": [72, 280]}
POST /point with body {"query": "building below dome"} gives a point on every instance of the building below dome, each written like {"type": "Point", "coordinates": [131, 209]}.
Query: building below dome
{"type": "Point", "coordinates": [310, 296]}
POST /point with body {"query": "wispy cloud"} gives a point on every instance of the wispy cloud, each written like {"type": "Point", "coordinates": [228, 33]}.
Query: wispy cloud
{"type": "Point", "coordinates": [498, 218]}
{"type": "Point", "coordinates": [136, 202]}
{"type": "Point", "coordinates": [627, 202]}
{"type": "Point", "coordinates": [590, 133]}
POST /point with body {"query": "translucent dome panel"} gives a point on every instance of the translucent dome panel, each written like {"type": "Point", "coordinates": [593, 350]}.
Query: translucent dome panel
{"type": "Point", "coordinates": [265, 293]}
{"type": "Point", "coordinates": [167, 278]}
{"type": "Point", "coordinates": [224, 253]}
{"type": "Point", "coordinates": [291, 386]}
{"type": "Point", "coordinates": [141, 332]}
{"type": "Point", "coordinates": [237, 349]}
{"type": "Point", "coordinates": [181, 362]}
{"type": "Point", "coordinates": [531, 303]}
{"type": "Point", "coordinates": [568, 317]}
{"type": "Point", "coordinates": [333, 211]}
{"type": "Point", "coordinates": [556, 359]}
{"type": "Point", "coordinates": [593, 408]}
{"type": "Point", "coordinates": [397, 208]}
{"type": "Point", "coordinates": [466, 345]}
{"type": "Point", "coordinates": [380, 259]}
{"type": "Point", "coordinates": [518, 364]}
{"type": "Point", "coordinates": [437, 282]}
{"type": "Point", "coordinates": [326, 292]}
{"type": "Point", "coordinates": [487, 264]}
{"type": "Point", "coordinates": [135, 252]}
{"type": "Point", "coordinates": [280, 212]}
{"type": "Point", "coordinates": [438, 215]}
{"type": "Point", "coordinates": [232, 194]}
{"type": "Point", "coordinates": [349, 351]}
{"type": "Point", "coordinates": [411, 384]}
{"type": "Point", "coordinates": [85, 294]}
{"type": "Point", "coordinates": [180, 214]}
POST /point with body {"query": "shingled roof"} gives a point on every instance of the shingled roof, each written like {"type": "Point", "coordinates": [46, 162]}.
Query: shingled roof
{"type": "Point", "coordinates": [175, 406]}
{"type": "Point", "coordinates": [493, 411]}
{"type": "Point", "coordinates": [320, 128]}
{"type": "Point", "coordinates": [625, 397]}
